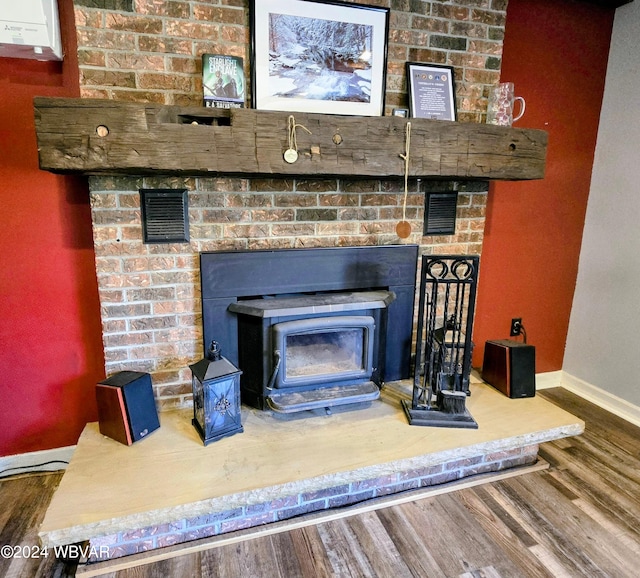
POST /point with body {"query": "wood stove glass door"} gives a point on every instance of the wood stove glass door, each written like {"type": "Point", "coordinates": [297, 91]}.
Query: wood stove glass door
{"type": "Point", "coordinates": [324, 350]}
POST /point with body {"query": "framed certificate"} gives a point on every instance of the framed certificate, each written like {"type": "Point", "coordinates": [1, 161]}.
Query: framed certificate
{"type": "Point", "coordinates": [431, 91]}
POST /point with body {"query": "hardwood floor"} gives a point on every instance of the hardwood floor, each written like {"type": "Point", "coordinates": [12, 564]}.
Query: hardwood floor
{"type": "Point", "coordinates": [23, 502]}
{"type": "Point", "coordinates": [580, 517]}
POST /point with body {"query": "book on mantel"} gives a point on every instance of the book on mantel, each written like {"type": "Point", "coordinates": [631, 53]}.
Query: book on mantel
{"type": "Point", "coordinates": [223, 84]}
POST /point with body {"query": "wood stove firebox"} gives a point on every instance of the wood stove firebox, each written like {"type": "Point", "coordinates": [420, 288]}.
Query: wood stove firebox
{"type": "Point", "coordinates": [312, 328]}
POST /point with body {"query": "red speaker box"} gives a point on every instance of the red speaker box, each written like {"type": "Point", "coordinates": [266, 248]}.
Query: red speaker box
{"type": "Point", "coordinates": [126, 407]}
{"type": "Point", "coordinates": [510, 367]}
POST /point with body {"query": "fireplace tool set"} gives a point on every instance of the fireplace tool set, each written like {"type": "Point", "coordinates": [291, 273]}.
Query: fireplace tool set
{"type": "Point", "coordinates": [444, 346]}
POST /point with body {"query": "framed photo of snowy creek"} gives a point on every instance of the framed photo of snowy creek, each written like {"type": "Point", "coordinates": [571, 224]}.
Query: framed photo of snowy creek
{"type": "Point", "coordinates": [318, 56]}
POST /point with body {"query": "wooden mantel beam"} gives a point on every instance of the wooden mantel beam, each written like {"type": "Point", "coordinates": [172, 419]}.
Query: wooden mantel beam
{"type": "Point", "coordinates": [97, 137]}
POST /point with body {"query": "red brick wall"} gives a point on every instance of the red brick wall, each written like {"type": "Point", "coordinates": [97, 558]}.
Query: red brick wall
{"type": "Point", "coordinates": [150, 51]}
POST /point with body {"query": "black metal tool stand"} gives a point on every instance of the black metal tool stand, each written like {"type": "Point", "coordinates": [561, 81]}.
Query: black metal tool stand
{"type": "Point", "coordinates": [443, 345]}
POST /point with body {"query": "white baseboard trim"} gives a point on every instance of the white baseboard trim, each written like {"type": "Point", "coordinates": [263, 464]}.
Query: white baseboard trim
{"type": "Point", "coordinates": [40, 461]}
{"type": "Point", "coordinates": [548, 379]}
{"type": "Point", "coordinates": [616, 405]}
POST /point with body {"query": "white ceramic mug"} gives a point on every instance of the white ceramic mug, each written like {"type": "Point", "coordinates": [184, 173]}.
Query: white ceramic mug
{"type": "Point", "coordinates": [501, 104]}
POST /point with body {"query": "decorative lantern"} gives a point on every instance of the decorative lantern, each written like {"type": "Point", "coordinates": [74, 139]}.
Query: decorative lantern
{"type": "Point", "coordinates": [216, 396]}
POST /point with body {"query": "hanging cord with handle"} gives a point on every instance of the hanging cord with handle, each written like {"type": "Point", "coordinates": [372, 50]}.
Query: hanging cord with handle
{"type": "Point", "coordinates": [291, 154]}
{"type": "Point", "coordinates": [403, 228]}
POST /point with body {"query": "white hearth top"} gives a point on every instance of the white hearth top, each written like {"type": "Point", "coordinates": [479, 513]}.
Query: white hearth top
{"type": "Point", "coordinates": [109, 487]}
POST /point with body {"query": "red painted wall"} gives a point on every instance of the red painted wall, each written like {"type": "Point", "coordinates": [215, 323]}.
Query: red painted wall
{"type": "Point", "coordinates": [555, 51]}
{"type": "Point", "coordinates": [50, 332]}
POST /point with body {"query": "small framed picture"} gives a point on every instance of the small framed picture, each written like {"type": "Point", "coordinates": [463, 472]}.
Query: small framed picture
{"type": "Point", "coordinates": [321, 56]}
{"type": "Point", "coordinates": [432, 91]}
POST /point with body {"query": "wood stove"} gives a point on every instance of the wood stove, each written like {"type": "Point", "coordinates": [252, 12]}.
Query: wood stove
{"type": "Point", "coordinates": [312, 351]}
{"type": "Point", "coordinates": [312, 328]}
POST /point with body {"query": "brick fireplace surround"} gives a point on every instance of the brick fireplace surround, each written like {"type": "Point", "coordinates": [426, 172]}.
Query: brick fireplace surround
{"type": "Point", "coordinates": [150, 51]}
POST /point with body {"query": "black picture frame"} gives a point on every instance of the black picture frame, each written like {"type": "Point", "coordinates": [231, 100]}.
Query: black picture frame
{"type": "Point", "coordinates": [334, 63]}
{"type": "Point", "coordinates": [432, 92]}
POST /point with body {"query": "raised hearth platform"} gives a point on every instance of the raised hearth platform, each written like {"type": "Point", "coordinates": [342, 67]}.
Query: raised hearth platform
{"type": "Point", "coordinates": [169, 488]}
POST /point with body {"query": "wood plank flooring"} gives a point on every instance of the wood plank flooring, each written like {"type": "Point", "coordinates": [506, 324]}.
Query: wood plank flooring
{"type": "Point", "coordinates": [580, 517]}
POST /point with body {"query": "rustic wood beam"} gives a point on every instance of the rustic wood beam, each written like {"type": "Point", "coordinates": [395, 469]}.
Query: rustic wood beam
{"type": "Point", "coordinates": [96, 137]}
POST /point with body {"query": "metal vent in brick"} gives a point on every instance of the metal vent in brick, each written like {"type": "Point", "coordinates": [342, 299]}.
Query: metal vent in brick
{"type": "Point", "coordinates": [165, 215]}
{"type": "Point", "coordinates": [440, 213]}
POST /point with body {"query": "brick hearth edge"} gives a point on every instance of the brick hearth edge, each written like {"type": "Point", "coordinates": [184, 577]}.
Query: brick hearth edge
{"type": "Point", "coordinates": [153, 537]}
